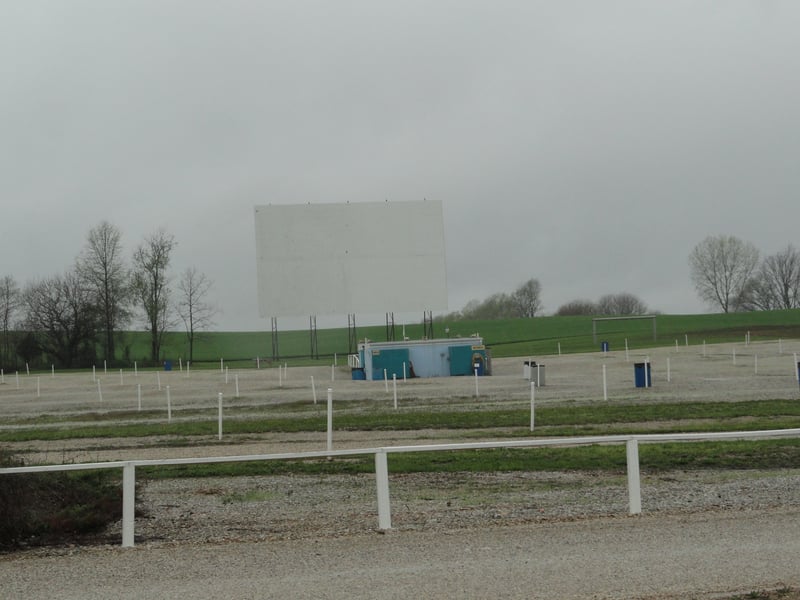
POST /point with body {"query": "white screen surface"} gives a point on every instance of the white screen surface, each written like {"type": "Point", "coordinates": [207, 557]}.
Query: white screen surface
{"type": "Point", "coordinates": [334, 259]}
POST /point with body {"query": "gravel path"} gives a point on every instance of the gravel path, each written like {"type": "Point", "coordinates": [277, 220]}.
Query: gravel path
{"type": "Point", "coordinates": [700, 555]}
{"type": "Point", "coordinates": [464, 535]}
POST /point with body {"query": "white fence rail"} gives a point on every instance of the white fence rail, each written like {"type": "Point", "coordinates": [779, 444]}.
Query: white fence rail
{"type": "Point", "coordinates": [381, 464]}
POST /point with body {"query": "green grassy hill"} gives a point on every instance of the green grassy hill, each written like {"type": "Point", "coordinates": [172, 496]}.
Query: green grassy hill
{"type": "Point", "coordinates": [508, 337]}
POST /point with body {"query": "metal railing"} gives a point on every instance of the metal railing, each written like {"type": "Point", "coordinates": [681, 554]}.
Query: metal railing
{"type": "Point", "coordinates": [382, 470]}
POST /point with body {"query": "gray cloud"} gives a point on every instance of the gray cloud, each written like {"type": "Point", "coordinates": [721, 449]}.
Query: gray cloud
{"type": "Point", "coordinates": [589, 145]}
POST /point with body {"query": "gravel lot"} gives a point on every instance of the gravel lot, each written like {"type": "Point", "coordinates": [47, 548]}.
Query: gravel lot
{"type": "Point", "coordinates": [513, 535]}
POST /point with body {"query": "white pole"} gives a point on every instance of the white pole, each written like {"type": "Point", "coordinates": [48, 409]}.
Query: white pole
{"type": "Point", "coordinates": [559, 348]}
{"type": "Point", "coordinates": [219, 416]}
{"type": "Point", "coordinates": [634, 483]}
{"type": "Point", "coordinates": [386, 380]}
{"type": "Point", "coordinates": [38, 388]}
{"type": "Point", "coordinates": [605, 385]}
{"type": "Point", "coordinates": [686, 335]}
{"type": "Point", "coordinates": [226, 374]}
{"type": "Point", "coordinates": [676, 344]}
{"type": "Point", "coordinates": [99, 391]}
{"type": "Point", "coordinates": [796, 370]}
{"type": "Point", "coordinates": [120, 377]}
{"type": "Point", "coordinates": [221, 367]}
{"type": "Point", "coordinates": [394, 387]}
{"type": "Point", "coordinates": [135, 369]}
{"type": "Point", "coordinates": [105, 366]}
{"type": "Point", "coordinates": [280, 376]}
{"type": "Point", "coordinates": [52, 371]}
{"type": "Point", "coordinates": [647, 371]}
{"type": "Point", "coordinates": [128, 504]}
{"type": "Point", "coordinates": [139, 394]}
{"type": "Point", "coordinates": [258, 362]}
{"type": "Point", "coordinates": [404, 371]}
{"type": "Point", "coordinates": [2, 376]}
{"type": "Point", "coordinates": [382, 482]}
{"type": "Point", "coordinates": [169, 407]}
{"type": "Point", "coordinates": [313, 389]}
{"type": "Point", "coordinates": [533, 400]}
{"type": "Point", "coordinates": [333, 370]}
{"type": "Point", "coordinates": [236, 379]}
{"type": "Point", "coordinates": [476, 383]}
{"type": "Point", "coordinates": [158, 380]}
{"type": "Point", "coordinates": [16, 373]}
{"type": "Point", "coordinates": [335, 359]}
{"type": "Point", "coordinates": [188, 367]}
{"type": "Point", "coordinates": [669, 371]}
{"type": "Point", "coordinates": [734, 356]}
{"type": "Point", "coordinates": [627, 357]}
{"type": "Point", "coordinates": [180, 364]}
{"type": "Point", "coordinates": [28, 369]}
{"type": "Point", "coordinates": [286, 371]}
{"type": "Point", "coordinates": [330, 418]}
{"type": "Point", "coordinates": [748, 339]}
{"type": "Point", "coordinates": [94, 373]}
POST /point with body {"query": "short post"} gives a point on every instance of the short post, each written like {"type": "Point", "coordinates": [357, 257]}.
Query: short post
{"type": "Point", "coordinates": [105, 366]}
{"type": "Point", "coordinates": [404, 371]}
{"type": "Point", "coordinates": [258, 362]}
{"type": "Point", "coordinates": [219, 416]}
{"type": "Point", "coordinates": [158, 380]}
{"type": "Point", "coordinates": [382, 483]}
{"type": "Point", "coordinates": [94, 373]}
{"type": "Point", "coordinates": [236, 379]}
{"type": "Point", "coordinates": [634, 483]}
{"type": "Point", "coordinates": [52, 371]}
{"type": "Point", "coordinates": [559, 348]}
{"type": "Point", "coordinates": [605, 385]}
{"type": "Point", "coordinates": [135, 369]}
{"type": "Point", "coordinates": [386, 380]}
{"type": "Point", "coordinates": [476, 383]}
{"type": "Point", "coordinates": [169, 407]}
{"type": "Point", "coordinates": [796, 373]}
{"type": "Point", "coordinates": [669, 371]}
{"type": "Point", "coordinates": [755, 363]}
{"type": "Point", "coordinates": [533, 402]}
{"type": "Point", "coordinates": [627, 356]}
{"type": "Point", "coordinates": [686, 337]}
{"type": "Point", "coordinates": [330, 419]}
{"type": "Point", "coordinates": [333, 372]}
{"type": "Point", "coordinates": [180, 364]}
{"type": "Point", "coordinates": [313, 389]}
{"type": "Point", "coordinates": [280, 376]}
{"type": "Point", "coordinates": [139, 395]}
{"type": "Point", "coordinates": [676, 344]}
{"type": "Point", "coordinates": [394, 387]}
{"type": "Point", "coordinates": [734, 356]}
{"type": "Point", "coordinates": [221, 366]}
{"type": "Point", "coordinates": [99, 391]}
{"type": "Point", "coordinates": [226, 374]}
{"type": "Point", "coordinates": [128, 504]}
{"type": "Point", "coordinates": [647, 381]}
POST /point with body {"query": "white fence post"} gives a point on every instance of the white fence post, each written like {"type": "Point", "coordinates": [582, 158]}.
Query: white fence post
{"type": "Point", "coordinates": [128, 503]}
{"type": "Point", "coordinates": [634, 483]}
{"type": "Point", "coordinates": [382, 482]}
{"type": "Point", "coordinates": [330, 419]}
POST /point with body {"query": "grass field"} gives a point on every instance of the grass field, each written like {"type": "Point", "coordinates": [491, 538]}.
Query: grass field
{"type": "Point", "coordinates": [505, 337]}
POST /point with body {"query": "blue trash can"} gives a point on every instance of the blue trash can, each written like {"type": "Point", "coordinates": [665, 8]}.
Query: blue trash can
{"type": "Point", "coordinates": [358, 374]}
{"type": "Point", "coordinates": [604, 346]}
{"type": "Point", "coordinates": [641, 376]}
{"type": "Point", "coordinates": [168, 365]}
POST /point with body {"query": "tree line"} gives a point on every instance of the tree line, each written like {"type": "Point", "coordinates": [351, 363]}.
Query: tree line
{"type": "Point", "coordinates": [728, 273]}
{"type": "Point", "coordinates": [78, 317]}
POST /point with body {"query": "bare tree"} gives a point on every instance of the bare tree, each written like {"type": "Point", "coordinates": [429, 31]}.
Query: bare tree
{"type": "Point", "coordinates": [10, 299]}
{"type": "Point", "coordinates": [527, 298]}
{"type": "Point", "coordinates": [722, 269]}
{"type": "Point", "coordinates": [622, 304]}
{"type": "Point", "coordinates": [577, 308]}
{"type": "Point", "coordinates": [61, 312]}
{"type": "Point", "coordinates": [193, 309]}
{"type": "Point", "coordinates": [777, 283]}
{"type": "Point", "coordinates": [151, 285]}
{"type": "Point", "coordinates": [101, 267]}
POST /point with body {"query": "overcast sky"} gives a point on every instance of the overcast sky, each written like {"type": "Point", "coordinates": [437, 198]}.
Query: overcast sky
{"type": "Point", "coordinates": [588, 144]}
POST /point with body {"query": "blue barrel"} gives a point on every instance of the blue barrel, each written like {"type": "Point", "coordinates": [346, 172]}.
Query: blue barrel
{"type": "Point", "coordinates": [604, 346]}
{"type": "Point", "coordinates": [358, 374]}
{"type": "Point", "coordinates": [641, 376]}
{"type": "Point", "coordinates": [168, 365]}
